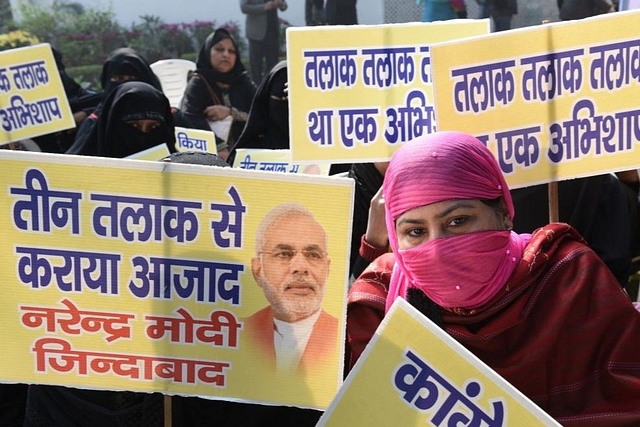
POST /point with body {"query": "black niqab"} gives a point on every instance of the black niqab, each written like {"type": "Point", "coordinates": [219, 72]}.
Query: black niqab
{"type": "Point", "coordinates": [268, 122]}
{"type": "Point", "coordinates": [126, 61]}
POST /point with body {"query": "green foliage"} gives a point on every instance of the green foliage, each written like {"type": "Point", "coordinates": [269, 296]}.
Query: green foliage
{"type": "Point", "coordinates": [87, 75]}
{"type": "Point", "coordinates": [86, 36]}
{"type": "Point", "coordinates": [83, 36]}
{"type": "Point", "coordinates": [160, 40]}
{"type": "Point", "coordinates": [190, 56]}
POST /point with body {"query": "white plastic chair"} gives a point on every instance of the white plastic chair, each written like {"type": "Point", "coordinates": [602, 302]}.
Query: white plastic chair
{"type": "Point", "coordinates": [173, 77]}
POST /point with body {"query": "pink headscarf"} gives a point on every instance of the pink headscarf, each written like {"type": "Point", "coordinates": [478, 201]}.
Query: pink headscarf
{"type": "Point", "coordinates": [438, 167]}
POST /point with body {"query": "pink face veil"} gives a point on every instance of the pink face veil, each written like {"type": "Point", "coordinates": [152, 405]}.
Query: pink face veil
{"type": "Point", "coordinates": [434, 168]}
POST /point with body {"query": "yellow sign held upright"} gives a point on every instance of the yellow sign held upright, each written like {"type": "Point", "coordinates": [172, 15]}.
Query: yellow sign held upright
{"type": "Point", "coordinates": [148, 276]}
{"type": "Point", "coordinates": [358, 92]}
{"type": "Point", "coordinates": [32, 98]}
{"type": "Point", "coordinates": [553, 102]}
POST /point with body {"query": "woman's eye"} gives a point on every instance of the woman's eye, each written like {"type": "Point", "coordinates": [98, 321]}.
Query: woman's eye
{"type": "Point", "coordinates": [458, 221]}
{"type": "Point", "coordinates": [415, 232]}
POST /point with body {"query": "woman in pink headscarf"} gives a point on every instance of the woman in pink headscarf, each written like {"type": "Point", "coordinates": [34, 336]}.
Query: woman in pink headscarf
{"type": "Point", "coordinates": [542, 310]}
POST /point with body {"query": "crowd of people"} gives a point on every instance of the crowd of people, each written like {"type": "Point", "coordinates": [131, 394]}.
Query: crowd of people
{"type": "Point", "coordinates": [435, 225]}
{"type": "Point", "coordinates": [501, 12]}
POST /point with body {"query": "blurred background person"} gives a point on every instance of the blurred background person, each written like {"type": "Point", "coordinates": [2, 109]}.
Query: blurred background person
{"type": "Point", "coordinates": [368, 232]}
{"type": "Point", "coordinates": [220, 89]}
{"type": "Point", "coordinates": [268, 121]}
{"type": "Point", "coordinates": [262, 29]}
{"type": "Point", "coordinates": [314, 12]}
{"type": "Point", "coordinates": [122, 65]}
{"type": "Point", "coordinates": [596, 206]}
{"type": "Point", "coordinates": [436, 10]}
{"type": "Point", "coordinates": [578, 9]}
{"type": "Point", "coordinates": [500, 11]}
{"type": "Point", "coordinates": [80, 101]}
{"type": "Point", "coordinates": [341, 12]}
{"type": "Point", "coordinates": [125, 64]}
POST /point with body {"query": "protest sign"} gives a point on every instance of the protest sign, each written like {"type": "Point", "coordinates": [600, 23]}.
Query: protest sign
{"type": "Point", "coordinates": [277, 161]}
{"type": "Point", "coordinates": [158, 152]}
{"type": "Point", "coordinates": [188, 139]}
{"type": "Point", "coordinates": [553, 102]}
{"type": "Point", "coordinates": [32, 98]}
{"type": "Point", "coordinates": [356, 93]}
{"type": "Point", "coordinates": [147, 276]}
{"type": "Point", "coordinates": [412, 373]}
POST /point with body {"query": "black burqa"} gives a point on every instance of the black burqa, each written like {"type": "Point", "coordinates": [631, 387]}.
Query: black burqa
{"type": "Point", "coordinates": [120, 62]}
{"type": "Point", "coordinates": [596, 206]}
{"type": "Point", "coordinates": [127, 61]}
{"type": "Point", "coordinates": [268, 123]}
{"type": "Point", "coordinates": [368, 181]}
{"type": "Point", "coordinates": [113, 137]}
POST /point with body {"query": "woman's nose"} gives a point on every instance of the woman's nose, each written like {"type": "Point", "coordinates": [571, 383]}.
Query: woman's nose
{"type": "Point", "coordinates": [433, 234]}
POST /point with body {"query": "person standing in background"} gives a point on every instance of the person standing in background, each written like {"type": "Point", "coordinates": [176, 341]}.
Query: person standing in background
{"type": "Point", "coordinates": [262, 28]}
{"type": "Point", "coordinates": [341, 12]}
{"type": "Point", "coordinates": [268, 121]}
{"type": "Point", "coordinates": [578, 9]}
{"type": "Point", "coordinates": [314, 12]}
{"type": "Point", "coordinates": [501, 11]}
{"type": "Point", "coordinates": [219, 89]}
{"type": "Point", "coordinates": [436, 10]}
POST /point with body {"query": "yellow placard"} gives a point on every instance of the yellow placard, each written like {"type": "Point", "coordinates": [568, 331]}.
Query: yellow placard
{"type": "Point", "coordinates": [158, 152]}
{"type": "Point", "coordinates": [552, 102]}
{"type": "Point", "coordinates": [356, 93]}
{"type": "Point", "coordinates": [277, 161]}
{"type": "Point", "coordinates": [413, 373]}
{"type": "Point", "coordinates": [188, 139]}
{"type": "Point", "coordinates": [144, 276]}
{"type": "Point", "coordinates": [32, 98]}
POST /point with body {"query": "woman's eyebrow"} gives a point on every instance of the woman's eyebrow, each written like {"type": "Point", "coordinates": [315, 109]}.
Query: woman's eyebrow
{"type": "Point", "coordinates": [409, 221]}
{"type": "Point", "coordinates": [461, 204]}
{"type": "Point", "coordinates": [457, 205]}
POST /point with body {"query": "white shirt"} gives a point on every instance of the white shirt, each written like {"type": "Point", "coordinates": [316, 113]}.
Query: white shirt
{"type": "Point", "coordinates": [290, 340]}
